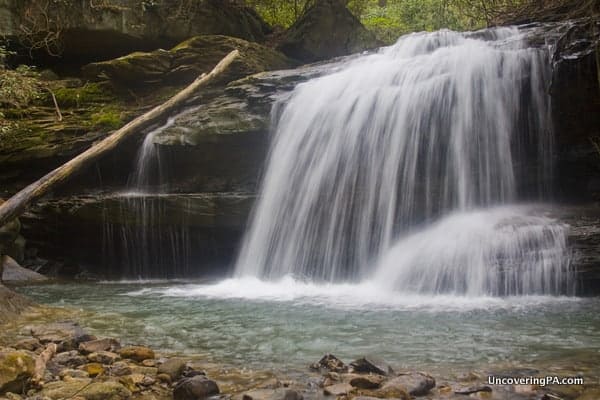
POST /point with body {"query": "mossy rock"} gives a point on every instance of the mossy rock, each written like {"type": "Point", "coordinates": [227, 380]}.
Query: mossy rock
{"type": "Point", "coordinates": [186, 62]}
{"type": "Point", "coordinates": [16, 367]}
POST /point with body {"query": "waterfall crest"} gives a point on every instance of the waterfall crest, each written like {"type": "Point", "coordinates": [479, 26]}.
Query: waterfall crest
{"type": "Point", "coordinates": [377, 161]}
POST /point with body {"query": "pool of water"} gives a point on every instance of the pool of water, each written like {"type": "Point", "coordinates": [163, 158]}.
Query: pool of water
{"type": "Point", "coordinates": [288, 324]}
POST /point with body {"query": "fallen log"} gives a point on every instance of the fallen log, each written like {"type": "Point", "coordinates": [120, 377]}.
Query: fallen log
{"type": "Point", "coordinates": [40, 364]}
{"type": "Point", "coordinates": [14, 206]}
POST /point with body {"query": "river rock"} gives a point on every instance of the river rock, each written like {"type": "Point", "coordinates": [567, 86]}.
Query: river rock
{"type": "Point", "coordinates": [415, 383]}
{"type": "Point", "coordinates": [326, 30]}
{"type": "Point", "coordinates": [103, 357]}
{"type": "Point", "coordinates": [173, 367]}
{"type": "Point", "coordinates": [366, 381]}
{"type": "Point", "coordinates": [93, 346]}
{"type": "Point", "coordinates": [64, 389]}
{"type": "Point", "coordinates": [120, 368]}
{"type": "Point", "coordinates": [136, 353]}
{"type": "Point", "coordinates": [105, 391]}
{"type": "Point", "coordinates": [93, 369]}
{"type": "Point", "coordinates": [29, 344]}
{"type": "Point", "coordinates": [69, 359]}
{"type": "Point", "coordinates": [66, 334]}
{"type": "Point", "coordinates": [16, 367]}
{"type": "Point", "coordinates": [195, 388]}
{"type": "Point", "coordinates": [473, 389]}
{"type": "Point", "coordinates": [331, 363]}
{"type": "Point", "coordinates": [339, 389]}
{"type": "Point", "coordinates": [364, 366]}
{"type": "Point", "coordinates": [73, 373]}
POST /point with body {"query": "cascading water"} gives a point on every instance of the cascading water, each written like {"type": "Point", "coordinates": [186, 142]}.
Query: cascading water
{"type": "Point", "coordinates": [145, 244]}
{"type": "Point", "coordinates": [398, 168]}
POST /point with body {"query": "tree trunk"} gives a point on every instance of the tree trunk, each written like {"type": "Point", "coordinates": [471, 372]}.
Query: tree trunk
{"type": "Point", "coordinates": [14, 206]}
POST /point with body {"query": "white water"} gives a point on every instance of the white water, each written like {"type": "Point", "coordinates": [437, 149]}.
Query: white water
{"type": "Point", "coordinates": [391, 171]}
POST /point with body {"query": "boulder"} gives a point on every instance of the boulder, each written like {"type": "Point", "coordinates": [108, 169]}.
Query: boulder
{"type": "Point", "coordinates": [13, 272]}
{"type": "Point", "coordinates": [327, 29]}
{"type": "Point", "coordinates": [16, 367]}
{"type": "Point", "coordinates": [103, 357]}
{"type": "Point", "coordinates": [197, 387]}
{"type": "Point", "coordinates": [136, 353]}
{"type": "Point", "coordinates": [93, 31]}
{"type": "Point", "coordinates": [173, 367]}
{"type": "Point", "coordinates": [69, 359]}
{"type": "Point", "coordinates": [120, 368]}
{"type": "Point", "coordinates": [330, 363]}
{"type": "Point", "coordinates": [64, 389]}
{"type": "Point", "coordinates": [366, 381]}
{"type": "Point", "coordinates": [364, 366]}
{"type": "Point", "coordinates": [93, 369]}
{"type": "Point", "coordinates": [187, 61]}
{"type": "Point", "coordinates": [93, 346]}
{"type": "Point", "coordinates": [108, 390]}
{"type": "Point", "coordinates": [415, 383]}
{"type": "Point", "coordinates": [339, 389]}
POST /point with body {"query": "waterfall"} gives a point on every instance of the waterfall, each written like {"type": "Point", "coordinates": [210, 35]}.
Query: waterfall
{"type": "Point", "coordinates": [402, 166]}
{"type": "Point", "coordinates": [146, 243]}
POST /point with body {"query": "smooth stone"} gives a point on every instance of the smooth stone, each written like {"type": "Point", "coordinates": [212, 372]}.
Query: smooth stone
{"type": "Point", "coordinates": [137, 369]}
{"type": "Point", "coordinates": [174, 367]}
{"type": "Point", "coordinates": [473, 389]}
{"type": "Point", "coordinates": [263, 394]}
{"type": "Point", "coordinates": [93, 369]}
{"type": "Point", "coordinates": [73, 373]}
{"type": "Point", "coordinates": [30, 344]}
{"type": "Point", "coordinates": [103, 357]}
{"type": "Point", "coordinates": [137, 353]}
{"type": "Point", "coordinates": [331, 363]}
{"type": "Point", "coordinates": [166, 378]}
{"type": "Point", "coordinates": [364, 366]}
{"type": "Point", "coordinates": [149, 363]}
{"type": "Point", "coordinates": [69, 358]}
{"type": "Point", "coordinates": [292, 395]}
{"type": "Point", "coordinates": [120, 368]}
{"type": "Point", "coordinates": [415, 383]}
{"type": "Point", "coordinates": [106, 391]}
{"type": "Point", "coordinates": [16, 367]}
{"type": "Point", "coordinates": [94, 346]}
{"type": "Point", "coordinates": [64, 389]}
{"type": "Point", "coordinates": [195, 388]}
{"type": "Point", "coordinates": [338, 389]}
{"type": "Point", "coordinates": [366, 381]}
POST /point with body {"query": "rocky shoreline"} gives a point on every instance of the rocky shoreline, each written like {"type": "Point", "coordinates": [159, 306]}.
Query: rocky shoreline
{"type": "Point", "coordinates": [61, 360]}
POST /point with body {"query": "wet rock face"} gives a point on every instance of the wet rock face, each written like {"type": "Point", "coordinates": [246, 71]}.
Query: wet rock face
{"type": "Point", "coordinates": [95, 31]}
{"type": "Point", "coordinates": [575, 96]}
{"type": "Point", "coordinates": [328, 29]}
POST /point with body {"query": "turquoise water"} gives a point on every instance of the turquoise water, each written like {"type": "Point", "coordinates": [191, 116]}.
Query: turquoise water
{"type": "Point", "coordinates": [289, 325]}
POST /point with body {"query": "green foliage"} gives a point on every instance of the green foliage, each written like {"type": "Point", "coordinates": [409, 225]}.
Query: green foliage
{"type": "Point", "coordinates": [398, 17]}
{"type": "Point", "coordinates": [20, 86]}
